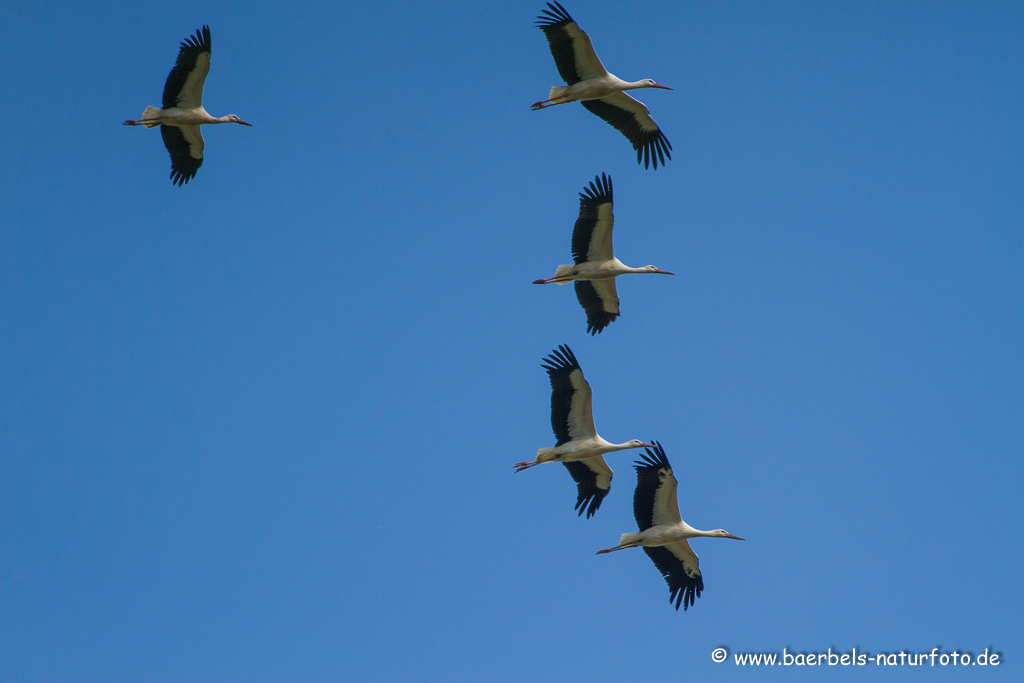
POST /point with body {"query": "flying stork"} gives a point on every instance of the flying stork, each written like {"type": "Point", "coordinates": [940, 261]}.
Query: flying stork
{"type": "Point", "coordinates": [663, 532]}
{"type": "Point", "coordinates": [579, 446]}
{"type": "Point", "coordinates": [183, 112]}
{"type": "Point", "coordinates": [599, 91]}
{"type": "Point", "coordinates": [595, 267]}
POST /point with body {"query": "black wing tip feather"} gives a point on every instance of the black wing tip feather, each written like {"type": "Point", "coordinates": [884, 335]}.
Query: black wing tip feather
{"type": "Point", "coordinates": [599, 191]}
{"type": "Point", "coordinates": [589, 502]}
{"type": "Point", "coordinates": [596, 324]}
{"type": "Point", "coordinates": [683, 589]}
{"type": "Point", "coordinates": [561, 359]}
{"type": "Point", "coordinates": [651, 146]}
{"type": "Point", "coordinates": [554, 16]}
{"type": "Point", "coordinates": [652, 150]}
{"type": "Point", "coordinates": [180, 178]}
{"type": "Point", "coordinates": [653, 458]}
{"type": "Point", "coordinates": [687, 593]}
{"type": "Point", "coordinates": [183, 165]}
{"type": "Point", "coordinates": [589, 494]}
{"type": "Point", "coordinates": [597, 317]}
{"type": "Point", "coordinates": [200, 42]}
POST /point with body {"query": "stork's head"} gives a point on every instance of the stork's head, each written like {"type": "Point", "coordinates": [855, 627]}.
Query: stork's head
{"type": "Point", "coordinates": [637, 443]}
{"type": "Point", "coordinates": [234, 119]}
{"type": "Point", "coordinates": [722, 533]}
{"type": "Point", "coordinates": [654, 269]}
{"type": "Point", "coordinates": [649, 83]}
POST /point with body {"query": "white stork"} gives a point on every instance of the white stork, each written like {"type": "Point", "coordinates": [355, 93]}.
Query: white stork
{"type": "Point", "coordinates": [663, 532]}
{"type": "Point", "coordinates": [595, 267]}
{"type": "Point", "coordinates": [599, 91]}
{"type": "Point", "coordinates": [579, 446]}
{"type": "Point", "coordinates": [183, 111]}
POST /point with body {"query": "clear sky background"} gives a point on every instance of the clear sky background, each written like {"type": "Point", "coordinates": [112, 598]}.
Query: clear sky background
{"type": "Point", "coordinates": [262, 427]}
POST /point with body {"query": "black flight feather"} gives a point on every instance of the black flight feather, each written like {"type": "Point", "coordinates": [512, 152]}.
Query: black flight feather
{"type": "Point", "coordinates": [560, 364]}
{"type": "Point", "coordinates": [190, 50]}
{"type": "Point", "coordinates": [650, 145]}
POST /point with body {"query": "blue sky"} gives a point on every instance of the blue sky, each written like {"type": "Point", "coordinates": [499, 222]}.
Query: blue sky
{"type": "Point", "coordinates": [262, 427]}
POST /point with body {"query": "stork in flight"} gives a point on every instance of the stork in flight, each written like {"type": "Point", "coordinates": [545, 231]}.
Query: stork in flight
{"type": "Point", "coordinates": [183, 112]}
{"type": "Point", "coordinates": [599, 91]}
{"type": "Point", "coordinates": [579, 446]}
{"type": "Point", "coordinates": [595, 267]}
{"type": "Point", "coordinates": [663, 533]}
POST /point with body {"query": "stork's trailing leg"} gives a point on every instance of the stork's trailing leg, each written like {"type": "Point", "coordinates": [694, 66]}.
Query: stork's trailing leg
{"type": "Point", "coordinates": [618, 547]}
{"type": "Point", "coordinates": [150, 118]}
{"type": "Point", "coordinates": [557, 93]}
{"type": "Point", "coordinates": [631, 540]}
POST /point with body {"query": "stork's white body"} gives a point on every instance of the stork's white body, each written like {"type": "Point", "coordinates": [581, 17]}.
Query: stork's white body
{"type": "Point", "coordinates": [663, 534]}
{"type": "Point", "coordinates": [582, 449]}
{"type": "Point", "coordinates": [593, 88]}
{"type": "Point", "coordinates": [180, 117]}
{"type": "Point", "coordinates": [597, 270]}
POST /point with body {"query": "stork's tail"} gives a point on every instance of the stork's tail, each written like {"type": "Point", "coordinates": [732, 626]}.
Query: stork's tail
{"type": "Point", "coordinates": [545, 454]}
{"type": "Point", "coordinates": [629, 539]}
{"type": "Point", "coordinates": [557, 92]}
{"type": "Point", "coordinates": [561, 273]}
{"type": "Point", "coordinates": [151, 113]}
